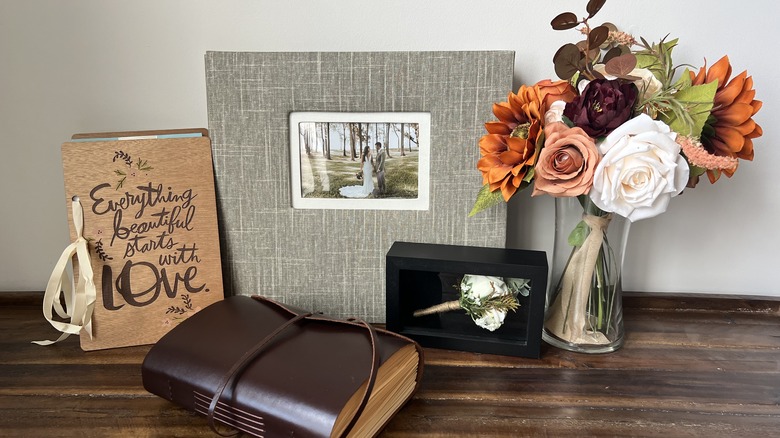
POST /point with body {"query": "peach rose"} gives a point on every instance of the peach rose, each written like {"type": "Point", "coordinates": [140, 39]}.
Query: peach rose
{"type": "Point", "coordinates": [567, 162]}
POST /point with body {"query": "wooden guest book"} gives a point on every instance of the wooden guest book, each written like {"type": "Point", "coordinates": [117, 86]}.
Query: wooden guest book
{"type": "Point", "coordinates": [149, 217]}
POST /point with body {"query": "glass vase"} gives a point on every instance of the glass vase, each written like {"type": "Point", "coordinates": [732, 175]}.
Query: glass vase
{"type": "Point", "coordinates": [584, 310]}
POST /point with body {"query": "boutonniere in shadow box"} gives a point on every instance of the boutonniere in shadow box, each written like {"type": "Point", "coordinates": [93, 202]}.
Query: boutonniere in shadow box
{"type": "Point", "coordinates": [625, 130]}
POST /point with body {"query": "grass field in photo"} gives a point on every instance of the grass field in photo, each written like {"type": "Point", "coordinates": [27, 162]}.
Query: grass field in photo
{"type": "Point", "coordinates": [322, 178]}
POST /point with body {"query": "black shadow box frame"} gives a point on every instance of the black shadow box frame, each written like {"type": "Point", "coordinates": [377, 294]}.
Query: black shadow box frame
{"type": "Point", "coordinates": [420, 275]}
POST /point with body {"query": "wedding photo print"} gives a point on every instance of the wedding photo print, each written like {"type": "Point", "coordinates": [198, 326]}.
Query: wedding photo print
{"type": "Point", "coordinates": [360, 161]}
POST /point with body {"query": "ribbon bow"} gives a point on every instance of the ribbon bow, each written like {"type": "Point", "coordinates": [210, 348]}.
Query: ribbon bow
{"type": "Point", "coordinates": [79, 303]}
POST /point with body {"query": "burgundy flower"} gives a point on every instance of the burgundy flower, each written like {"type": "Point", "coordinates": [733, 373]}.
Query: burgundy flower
{"type": "Point", "coordinates": [603, 106]}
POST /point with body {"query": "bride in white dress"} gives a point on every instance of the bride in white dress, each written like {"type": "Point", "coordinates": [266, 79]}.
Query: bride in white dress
{"type": "Point", "coordinates": [362, 191]}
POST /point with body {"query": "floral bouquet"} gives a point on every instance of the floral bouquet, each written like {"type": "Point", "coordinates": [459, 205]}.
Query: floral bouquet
{"type": "Point", "coordinates": [623, 132]}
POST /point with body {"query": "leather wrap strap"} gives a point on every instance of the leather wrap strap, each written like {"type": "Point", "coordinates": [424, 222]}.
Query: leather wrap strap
{"type": "Point", "coordinates": [240, 365]}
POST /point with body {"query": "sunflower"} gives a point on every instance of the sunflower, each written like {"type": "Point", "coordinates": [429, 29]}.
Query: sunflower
{"type": "Point", "coordinates": [730, 128]}
{"type": "Point", "coordinates": [509, 150]}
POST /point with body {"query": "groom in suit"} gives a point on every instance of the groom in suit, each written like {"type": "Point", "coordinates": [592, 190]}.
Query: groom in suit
{"type": "Point", "coordinates": [380, 168]}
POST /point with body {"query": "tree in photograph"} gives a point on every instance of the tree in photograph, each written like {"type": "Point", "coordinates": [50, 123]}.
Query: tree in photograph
{"type": "Point", "coordinates": [416, 138]}
{"type": "Point", "coordinates": [325, 129]}
{"type": "Point", "coordinates": [403, 130]}
{"type": "Point", "coordinates": [387, 140]}
{"type": "Point", "coordinates": [352, 140]}
{"type": "Point", "coordinates": [343, 136]}
{"type": "Point", "coordinates": [398, 130]}
{"type": "Point", "coordinates": [305, 136]}
{"type": "Point", "coordinates": [363, 138]}
{"type": "Point", "coordinates": [362, 135]}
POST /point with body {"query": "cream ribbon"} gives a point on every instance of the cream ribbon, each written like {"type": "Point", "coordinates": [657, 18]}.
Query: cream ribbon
{"type": "Point", "coordinates": [79, 303]}
{"type": "Point", "coordinates": [567, 319]}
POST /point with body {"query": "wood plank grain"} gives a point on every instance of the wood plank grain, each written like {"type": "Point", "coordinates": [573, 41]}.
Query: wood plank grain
{"type": "Point", "coordinates": [97, 416]}
{"type": "Point", "coordinates": [686, 370]}
{"type": "Point", "coordinates": [446, 418]}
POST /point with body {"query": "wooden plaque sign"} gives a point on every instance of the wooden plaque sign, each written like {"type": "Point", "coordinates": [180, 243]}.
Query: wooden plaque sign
{"type": "Point", "coordinates": [151, 225]}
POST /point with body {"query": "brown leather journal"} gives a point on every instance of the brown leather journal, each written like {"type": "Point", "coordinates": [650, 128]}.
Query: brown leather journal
{"type": "Point", "coordinates": [272, 370]}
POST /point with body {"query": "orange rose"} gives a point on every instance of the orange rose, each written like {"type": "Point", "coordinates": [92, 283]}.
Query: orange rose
{"type": "Point", "coordinates": [550, 92]}
{"type": "Point", "coordinates": [566, 164]}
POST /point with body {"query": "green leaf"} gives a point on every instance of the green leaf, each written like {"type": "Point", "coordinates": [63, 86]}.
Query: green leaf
{"type": "Point", "coordinates": [684, 81]}
{"type": "Point", "coordinates": [578, 234]}
{"type": "Point", "coordinates": [697, 101]}
{"type": "Point", "coordinates": [652, 59]}
{"type": "Point", "coordinates": [669, 45]}
{"type": "Point", "coordinates": [529, 175]}
{"type": "Point", "coordinates": [517, 286]}
{"type": "Point", "coordinates": [646, 60]}
{"type": "Point", "coordinates": [696, 171]}
{"type": "Point", "coordinates": [486, 199]}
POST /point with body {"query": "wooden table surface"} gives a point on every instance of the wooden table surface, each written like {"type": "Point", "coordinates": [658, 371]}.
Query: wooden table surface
{"type": "Point", "coordinates": [690, 367]}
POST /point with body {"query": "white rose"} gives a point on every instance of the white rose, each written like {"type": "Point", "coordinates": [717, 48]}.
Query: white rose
{"type": "Point", "coordinates": [641, 169]}
{"type": "Point", "coordinates": [581, 85]}
{"type": "Point", "coordinates": [480, 287]}
{"type": "Point", "coordinates": [648, 85]}
{"type": "Point", "coordinates": [555, 113]}
{"type": "Point", "coordinates": [491, 320]}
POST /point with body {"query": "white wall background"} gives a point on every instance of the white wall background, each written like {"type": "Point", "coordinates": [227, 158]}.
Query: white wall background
{"type": "Point", "coordinates": [81, 66]}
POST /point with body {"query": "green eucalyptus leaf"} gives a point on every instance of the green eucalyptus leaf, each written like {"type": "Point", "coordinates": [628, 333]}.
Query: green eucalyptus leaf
{"type": "Point", "coordinates": [519, 286]}
{"type": "Point", "coordinates": [486, 199]}
{"type": "Point", "coordinates": [579, 234]}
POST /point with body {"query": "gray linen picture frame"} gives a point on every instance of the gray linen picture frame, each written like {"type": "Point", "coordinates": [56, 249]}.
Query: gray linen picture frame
{"type": "Point", "coordinates": [334, 260]}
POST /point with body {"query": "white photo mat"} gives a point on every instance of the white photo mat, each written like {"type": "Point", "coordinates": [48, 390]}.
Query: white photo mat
{"type": "Point", "coordinates": [421, 202]}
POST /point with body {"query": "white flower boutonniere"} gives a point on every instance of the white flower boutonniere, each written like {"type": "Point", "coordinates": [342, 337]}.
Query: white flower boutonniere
{"type": "Point", "coordinates": [486, 299]}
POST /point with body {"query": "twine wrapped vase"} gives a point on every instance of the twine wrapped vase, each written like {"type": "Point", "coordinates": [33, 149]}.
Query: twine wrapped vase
{"type": "Point", "coordinates": [584, 311]}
